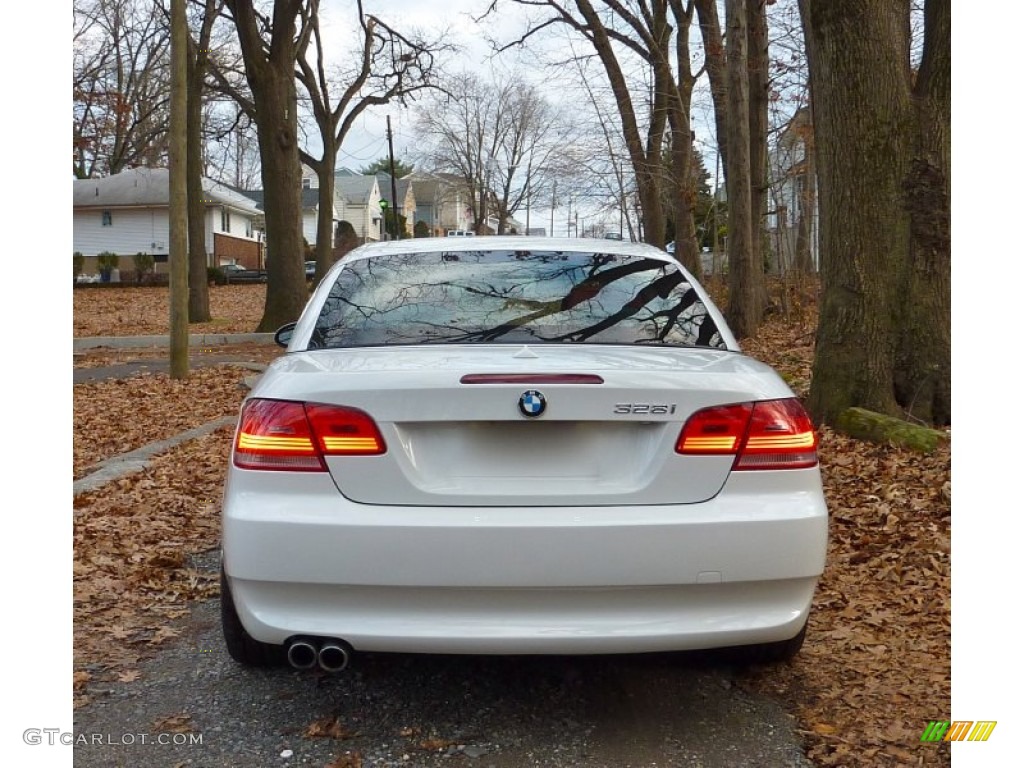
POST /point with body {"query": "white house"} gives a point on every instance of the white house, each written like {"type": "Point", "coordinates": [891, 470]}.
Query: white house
{"type": "Point", "coordinates": [311, 206]}
{"type": "Point", "coordinates": [357, 199]}
{"type": "Point", "coordinates": [793, 206]}
{"type": "Point", "coordinates": [128, 213]}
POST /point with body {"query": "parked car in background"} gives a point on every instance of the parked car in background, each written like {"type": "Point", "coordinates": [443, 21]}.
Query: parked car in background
{"type": "Point", "coordinates": [460, 233]}
{"type": "Point", "coordinates": [310, 270]}
{"type": "Point", "coordinates": [236, 273]}
{"type": "Point", "coordinates": [517, 445]}
{"type": "Point", "coordinates": [84, 278]}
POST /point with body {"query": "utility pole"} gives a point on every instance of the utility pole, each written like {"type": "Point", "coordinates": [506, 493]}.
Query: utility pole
{"type": "Point", "coordinates": [394, 184]}
{"type": "Point", "coordinates": [554, 195]}
{"type": "Point", "coordinates": [178, 194]}
{"type": "Point", "coordinates": [622, 197]}
{"type": "Point", "coordinates": [529, 168]}
{"type": "Point", "coordinates": [714, 216]}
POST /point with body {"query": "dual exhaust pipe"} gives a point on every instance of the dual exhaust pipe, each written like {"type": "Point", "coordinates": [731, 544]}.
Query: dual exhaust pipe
{"type": "Point", "coordinates": [308, 652]}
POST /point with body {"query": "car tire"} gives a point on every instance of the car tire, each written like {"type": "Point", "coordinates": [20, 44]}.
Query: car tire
{"type": "Point", "coordinates": [774, 653]}
{"type": "Point", "coordinates": [241, 646]}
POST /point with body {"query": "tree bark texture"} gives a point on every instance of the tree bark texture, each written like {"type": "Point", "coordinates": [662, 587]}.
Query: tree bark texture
{"type": "Point", "coordinates": [881, 262]}
{"type": "Point", "coordinates": [198, 285]}
{"type": "Point", "coordinates": [923, 361]}
{"type": "Point", "coordinates": [715, 64]}
{"type": "Point", "coordinates": [757, 70]}
{"type": "Point", "coordinates": [178, 194]}
{"type": "Point", "coordinates": [743, 313]}
{"type": "Point", "coordinates": [687, 247]}
{"type": "Point", "coordinates": [270, 72]}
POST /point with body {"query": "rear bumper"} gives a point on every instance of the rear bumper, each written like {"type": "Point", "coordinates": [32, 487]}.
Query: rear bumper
{"type": "Point", "coordinates": [740, 568]}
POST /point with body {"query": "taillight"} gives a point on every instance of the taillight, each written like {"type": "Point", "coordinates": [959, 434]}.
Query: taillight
{"type": "Point", "coordinates": [293, 436]}
{"type": "Point", "coordinates": [770, 434]}
{"type": "Point", "coordinates": [344, 431]}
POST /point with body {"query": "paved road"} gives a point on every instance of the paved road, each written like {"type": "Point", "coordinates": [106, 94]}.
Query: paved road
{"type": "Point", "coordinates": [404, 710]}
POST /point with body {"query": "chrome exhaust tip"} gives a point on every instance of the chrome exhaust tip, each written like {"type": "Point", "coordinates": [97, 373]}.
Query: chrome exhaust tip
{"type": "Point", "coordinates": [302, 654]}
{"type": "Point", "coordinates": [333, 656]}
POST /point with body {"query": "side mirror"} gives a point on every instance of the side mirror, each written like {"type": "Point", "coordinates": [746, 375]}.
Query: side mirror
{"type": "Point", "coordinates": [283, 335]}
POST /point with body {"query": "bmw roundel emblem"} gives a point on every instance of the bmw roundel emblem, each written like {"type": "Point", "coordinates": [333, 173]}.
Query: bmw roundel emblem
{"type": "Point", "coordinates": [532, 403]}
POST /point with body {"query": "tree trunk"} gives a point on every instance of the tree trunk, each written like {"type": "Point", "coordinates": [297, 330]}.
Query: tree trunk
{"type": "Point", "coordinates": [807, 204]}
{"type": "Point", "coordinates": [923, 368]}
{"type": "Point", "coordinates": [858, 55]}
{"type": "Point", "coordinates": [679, 107]}
{"type": "Point", "coordinates": [198, 285]}
{"type": "Point", "coordinates": [687, 248]}
{"type": "Point", "coordinates": [744, 309]}
{"type": "Point", "coordinates": [715, 64]}
{"type": "Point", "coordinates": [325, 213]}
{"type": "Point", "coordinates": [646, 160]}
{"type": "Point", "coordinates": [270, 72]}
{"type": "Point", "coordinates": [282, 196]}
{"type": "Point", "coordinates": [178, 194]}
{"type": "Point", "coordinates": [757, 71]}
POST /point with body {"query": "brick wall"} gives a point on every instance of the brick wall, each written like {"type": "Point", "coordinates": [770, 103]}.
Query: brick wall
{"type": "Point", "coordinates": [244, 252]}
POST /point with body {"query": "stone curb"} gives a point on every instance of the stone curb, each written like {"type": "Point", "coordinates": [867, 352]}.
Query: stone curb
{"type": "Point", "coordinates": [194, 340]}
{"type": "Point", "coordinates": [137, 460]}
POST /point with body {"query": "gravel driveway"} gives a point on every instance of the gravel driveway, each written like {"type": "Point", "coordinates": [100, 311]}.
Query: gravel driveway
{"type": "Point", "coordinates": [404, 710]}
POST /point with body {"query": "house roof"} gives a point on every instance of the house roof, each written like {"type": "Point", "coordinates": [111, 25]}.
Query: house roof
{"type": "Point", "coordinates": [425, 189]}
{"type": "Point", "coordinates": [139, 187]}
{"type": "Point", "coordinates": [310, 197]}
{"type": "Point", "coordinates": [356, 190]}
{"type": "Point", "coordinates": [401, 187]}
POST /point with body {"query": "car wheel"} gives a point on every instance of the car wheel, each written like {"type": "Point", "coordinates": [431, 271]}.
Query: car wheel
{"type": "Point", "coordinates": [773, 653]}
{"type": "Point", "coordinates": [241, 646]}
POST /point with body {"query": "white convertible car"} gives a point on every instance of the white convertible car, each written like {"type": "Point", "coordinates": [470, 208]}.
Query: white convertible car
{"type": "Point", "coordinates": [517, 445]}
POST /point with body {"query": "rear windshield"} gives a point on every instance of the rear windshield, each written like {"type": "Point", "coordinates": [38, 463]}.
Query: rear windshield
{"type": "Point", "coordinates": [512, 297]}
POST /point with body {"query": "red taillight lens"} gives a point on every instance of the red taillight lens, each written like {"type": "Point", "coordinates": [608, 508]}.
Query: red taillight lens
{"type": "Point", "coordinates": [292, 436]}
{"type": "Point", "coordinates": [781, 436]}
{"type": "Point", "coordinates": [275, 434]}
{"type": "Point", "coordinates": [718, 430]}
{"type": "Point", "coordinates": [771, 434]}
{"type": "Point", "coordinates": [344, 431]}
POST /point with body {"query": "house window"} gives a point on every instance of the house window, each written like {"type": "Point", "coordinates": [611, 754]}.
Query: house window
{"type": "Point", "coordinates": [108, 220]}
{"type": "Point", "coordinates": [225, 220]}
{"type": "Point", "coordinates": [307, 183]}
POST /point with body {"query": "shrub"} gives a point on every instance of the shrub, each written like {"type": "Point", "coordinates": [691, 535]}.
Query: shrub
{"type": "Point", "coordinates": [421, 229]}
{"type": "Point", "coordinates": [106, 262]}
{"type": "Point", "coordinates": [143, 265]}
{"type": "Point", "coordinates": [216, 275]}
{"type": "Point", "coordinates": [79, 263]}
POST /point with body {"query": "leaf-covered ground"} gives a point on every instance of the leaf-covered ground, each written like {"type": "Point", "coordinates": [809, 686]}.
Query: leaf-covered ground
{"type": "Point", "coordinates": [876, 664]}
{"type": "Point", "coordinates": [142, 311]}
{"type": "Point", "coordinates": [119, 415]}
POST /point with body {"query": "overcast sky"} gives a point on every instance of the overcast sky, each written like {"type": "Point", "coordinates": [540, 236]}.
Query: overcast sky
{"type": "Point", "coordinates": [367, 141]}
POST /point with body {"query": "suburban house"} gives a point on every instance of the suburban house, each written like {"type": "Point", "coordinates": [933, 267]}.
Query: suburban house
{"type": "Point", "coordinates": [128, 213]}
{"type": "Point", "coordinates": [311, 206]}
{"type": "Point", "coordinates": [792, 196]}
{"type": "Point", "coordinates": [357, 199]}
{"type": "Point", "coordinates": [455, 210]}
{"type": "Point", "coordinates": [406, 204]}
{"type": "Point", "coordinates": [310, 210]}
